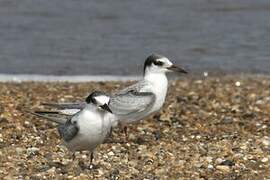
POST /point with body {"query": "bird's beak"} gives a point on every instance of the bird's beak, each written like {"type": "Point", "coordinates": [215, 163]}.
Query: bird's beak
{"type": "Point", "coordinates": [177, 69]}
{"type": "Point", "coordinates": [106, 108]}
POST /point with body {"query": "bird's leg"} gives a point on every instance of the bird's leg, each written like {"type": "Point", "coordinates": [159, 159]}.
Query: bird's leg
{"type": "Point", "coordinates": [125, 131]}
{"type": "Point", "coordinates": [110, 133]}
{"type": "Point", "coordinates": [91, 160]}
{"type": "Point", "coordinates": [73, 156]}
{"type": "Point", "coordinates": [91, 157]}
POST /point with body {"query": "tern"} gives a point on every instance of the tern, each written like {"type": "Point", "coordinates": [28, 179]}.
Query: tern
{"type": "Point", "coordinates": [87, 128]}
{"type": "Point", "coordinates": [139, 100]}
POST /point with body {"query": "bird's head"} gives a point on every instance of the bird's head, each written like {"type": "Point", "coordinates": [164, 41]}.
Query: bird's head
{"type": "Point", "coordinates": [99, 99]}
{"type": "Point", "coordinates": [160, 64]}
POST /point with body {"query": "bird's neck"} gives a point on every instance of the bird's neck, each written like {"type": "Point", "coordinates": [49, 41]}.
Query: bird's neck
{"type": "Point", "coordinates": [156, 78]}
{"type": "Point", "coordinates": [91, 107]}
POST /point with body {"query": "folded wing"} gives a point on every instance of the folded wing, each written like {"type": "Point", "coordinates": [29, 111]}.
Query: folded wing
{"type": "Point", "coordinates": [131, 104]}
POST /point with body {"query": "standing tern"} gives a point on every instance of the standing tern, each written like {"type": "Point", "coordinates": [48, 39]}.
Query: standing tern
{"type": "Point", "coordinates": [139, 100]}
{"type": "Point", "coordinates": [87, 128]}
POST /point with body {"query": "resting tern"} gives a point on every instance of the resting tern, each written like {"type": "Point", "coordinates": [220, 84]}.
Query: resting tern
{"type": "Point", "coordinates": [87, 128]}
{"type": "Point", "coordinates": [139, 100]}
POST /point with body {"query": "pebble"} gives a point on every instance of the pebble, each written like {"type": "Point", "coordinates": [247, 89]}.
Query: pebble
{"type": "Point", "coordinates": [223, 168]}
{"type": "Point", "coordinates": [184, 138]}
{"type": "Point", "coordinates": [70, 177]}
{"type": "Point", "coordinates": [227, 163]}
{"type": "Point", "coordinates": [264, 160]}
{"type": "Point", "coordinates": [209, 159]}
{"type": "Point", "coordinates": [237, 83]}
{"type": "Point", "coordinates": [66, 161]}
{"type": "Point", "coordinates": [84, 156]}
{"type": "Point", "coordinates": [32, 151]}
{"type": "Point", "coordinates": [219, 161]}
{"type": "Point", "coordinates": [227, 120]}
{"type": "Point", "coordinates": [111, 153]}
{"type": "Point", "coordinates": [19, 150]}
{"type": "Point", "coordinates": [266, 141]}
{"type": "Point", "coordinates": [52, 170]}
{"type": "Point", "coordinates": [264, 126]}
{"type": "Point", "coordinates": [210, 166]}
{"type": "Point", "coordinates": [244, 147]}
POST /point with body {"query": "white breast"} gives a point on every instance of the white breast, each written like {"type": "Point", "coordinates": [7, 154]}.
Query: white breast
{"type": "Point", "coordinates": [158, 85]}
{"type": "Point", "coordinates": [93, 129]}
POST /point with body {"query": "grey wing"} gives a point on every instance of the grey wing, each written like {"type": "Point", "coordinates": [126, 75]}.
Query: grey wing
{"type": "Point", "coordinates": [68, 130]}
{"type": "Point", "coordinates": [135, 87]}
{"type": "Point", "coordinates": [70, 105]}
{"type": "Point", "coordinates": [58, 120]}
{"type": "Point", "coordinates": [131, 102]}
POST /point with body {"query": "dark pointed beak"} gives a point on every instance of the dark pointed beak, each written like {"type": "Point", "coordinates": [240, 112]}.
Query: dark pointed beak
{"type": "Point", "coordinates": [177, 69]}
{"type": "Point", "coordinates": [106, 108]}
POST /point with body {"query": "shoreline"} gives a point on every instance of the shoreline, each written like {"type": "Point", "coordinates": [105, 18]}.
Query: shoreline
{"type": "Point", "coordinates": [18, 78]}
{"type": "Point", "coordinates": [55, 78]}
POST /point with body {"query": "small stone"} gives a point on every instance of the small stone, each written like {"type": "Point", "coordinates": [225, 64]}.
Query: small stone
{"type": "Point", "coordinates": [66, 161]}
{"type": "Point", "coordinates": [264, 126]}
{"type": "Point", "coordinates": [184, 138]}
{"type": "Point", "coordinates": [32, 151]}
{"type": "Point", "coordinates": [227, 163]}
{"type": "Point", "coordinates": [70, 177]}
{"type": "Point", "coordinates": [210, 166]}
{"type": "Point", "coordinates": [27, 123]}
{"type": "Point", "coordinates": [140, 141]}
{"type": "Point", "coordinates": [209, 159]}
{"type": "Point", "coordinates": [219, 161]}
{"type": "Point", "coordinates": [258, 124]}
{"type": "Point", "coordinates": [227, 120]}
{"type": "Point", "coordinates": [223, 168]}
{"type": "Point", "coordinates": [266, 141]}
{"type": "Point", "coordinates": [237, 83]}
{"type": "Point", "coordinates": [250, 157]}
{"type": "Point", "coordinates": [51, 171]}
{"type": "Point", "coordinates": [157, 135]}
{"type": "Point", "coordinates": [19, 150]}
{"type": "Point", "coordinates": [84, 156]}
{"type": "Point", "coordinates": [111, 153]}
{"type": "Point", "coordinates": [83, 176]}
{"type": "Point", "coordinates": [243, 147]}
{"type": "Point", "coordinates": [114, 174]}
{"type": "Point", "coordinates": [264, 160]}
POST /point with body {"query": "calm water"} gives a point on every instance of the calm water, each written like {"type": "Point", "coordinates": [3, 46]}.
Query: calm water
{"type": "Point", "coordinates": [74, 37]}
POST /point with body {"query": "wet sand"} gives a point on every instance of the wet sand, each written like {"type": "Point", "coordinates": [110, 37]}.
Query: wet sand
{"type": "Point", "coordinates": [215, 128]}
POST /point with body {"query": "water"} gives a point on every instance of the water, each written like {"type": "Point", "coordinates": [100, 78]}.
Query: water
{"type": "Point", "coordinates": [82, 37]}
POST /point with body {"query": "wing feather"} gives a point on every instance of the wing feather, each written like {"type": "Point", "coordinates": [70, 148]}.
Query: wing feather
{"type": "Point", "coordinates": [131, 102]}
{"type": "Point", "coordinates": [68, 105]}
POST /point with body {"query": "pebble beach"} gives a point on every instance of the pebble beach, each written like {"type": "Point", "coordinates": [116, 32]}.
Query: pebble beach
{"type": "Point", "coordinates": [209, 128]}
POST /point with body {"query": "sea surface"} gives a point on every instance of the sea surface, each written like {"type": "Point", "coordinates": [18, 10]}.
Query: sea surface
{"type": "Point", "coordinates": [97, 37]}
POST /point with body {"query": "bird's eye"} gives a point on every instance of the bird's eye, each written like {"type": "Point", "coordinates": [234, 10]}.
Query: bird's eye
{"type": "Point", "coordinates": [158, 63]}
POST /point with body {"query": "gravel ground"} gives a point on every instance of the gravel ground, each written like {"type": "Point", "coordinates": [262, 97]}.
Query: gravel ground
{"type": "Point", "coordinates": [215, 128]}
